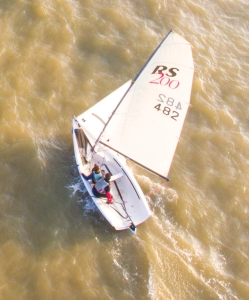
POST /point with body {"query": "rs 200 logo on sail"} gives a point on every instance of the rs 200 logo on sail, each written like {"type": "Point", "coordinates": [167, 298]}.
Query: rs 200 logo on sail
{"type": "Point", "coordinates": [165, 76]}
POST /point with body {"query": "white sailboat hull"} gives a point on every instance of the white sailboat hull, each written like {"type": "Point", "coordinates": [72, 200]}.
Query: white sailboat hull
{"type": "Point", "coordinates": [130, 206]}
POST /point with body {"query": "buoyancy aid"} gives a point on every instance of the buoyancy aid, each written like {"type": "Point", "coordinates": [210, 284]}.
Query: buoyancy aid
{"type": "Point", "coordinates": [100, 186]}
{"type": "Point", "coordinates": [96, 176]}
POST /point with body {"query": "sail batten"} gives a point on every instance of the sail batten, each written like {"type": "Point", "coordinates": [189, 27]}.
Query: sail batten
{"type": "Point", "coordinates": [147, 123]}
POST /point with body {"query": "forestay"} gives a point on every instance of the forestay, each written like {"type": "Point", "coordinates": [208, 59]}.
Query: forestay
{"type": "Point", "coordinates": [148, 121]}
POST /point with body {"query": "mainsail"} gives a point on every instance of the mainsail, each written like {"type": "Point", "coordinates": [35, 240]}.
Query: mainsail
{"type": "Point", "coordinates": [147, 123]}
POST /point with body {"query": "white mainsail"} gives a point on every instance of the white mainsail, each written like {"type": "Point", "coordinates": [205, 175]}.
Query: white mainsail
{"type": "Point", "coordinates": [146, 125]}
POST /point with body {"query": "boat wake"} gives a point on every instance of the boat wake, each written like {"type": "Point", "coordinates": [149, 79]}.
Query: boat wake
{"type": "Point", "coordinates": [158, 192]}
{"type": "Point", "coordinates": [79, 192]}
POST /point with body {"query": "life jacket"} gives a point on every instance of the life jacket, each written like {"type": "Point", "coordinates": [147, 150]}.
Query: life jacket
{"type": "Point", "coordinates": [96, 176]}
{"type": "Point", "coordinates": [100, 186]}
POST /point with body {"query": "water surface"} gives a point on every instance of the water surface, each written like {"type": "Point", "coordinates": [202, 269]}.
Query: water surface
{"type": "Point", "coordinates": [57, 58]}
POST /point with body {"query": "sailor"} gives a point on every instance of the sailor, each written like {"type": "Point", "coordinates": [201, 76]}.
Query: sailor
{"type": "Point", "coordinates": [95, 176]}
{"type": "Point", "coordinates": [102, 189]}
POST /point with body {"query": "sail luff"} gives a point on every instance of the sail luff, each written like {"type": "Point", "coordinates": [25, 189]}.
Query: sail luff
{"type": "Point", "coordinates": [146, 63]}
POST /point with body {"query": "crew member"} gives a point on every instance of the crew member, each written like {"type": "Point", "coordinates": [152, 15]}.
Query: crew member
{"type": "Point", "coordinates": [95, 176]}
{"type": "Point", "coordinates": [102, 189]}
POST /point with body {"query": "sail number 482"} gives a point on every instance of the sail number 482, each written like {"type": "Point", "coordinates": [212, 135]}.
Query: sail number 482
{"type": "Point", "coordinates": [166, 109]}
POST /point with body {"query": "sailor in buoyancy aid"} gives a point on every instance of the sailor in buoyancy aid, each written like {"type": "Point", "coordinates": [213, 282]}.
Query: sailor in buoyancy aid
{"type": "Point", "coordinates": [95, 176]}
{"type": "Point", "coordinates": [102, 188]}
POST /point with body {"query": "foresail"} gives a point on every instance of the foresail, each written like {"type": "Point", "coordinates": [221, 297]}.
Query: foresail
{"type": "Point", "coordinates": [95, 118]}
{"type": "Point", "coordinates": [147, 124]}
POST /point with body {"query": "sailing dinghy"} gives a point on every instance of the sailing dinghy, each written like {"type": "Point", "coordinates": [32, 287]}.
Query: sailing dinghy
{"type": "Point", "coordinates": [142, 121]}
